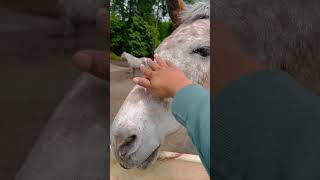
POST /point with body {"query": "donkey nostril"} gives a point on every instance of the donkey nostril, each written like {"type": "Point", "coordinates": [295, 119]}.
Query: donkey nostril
{"type": "Point", "coordinates": [126, 144]}
{"type": "Point", "coordinates": [129, 140]}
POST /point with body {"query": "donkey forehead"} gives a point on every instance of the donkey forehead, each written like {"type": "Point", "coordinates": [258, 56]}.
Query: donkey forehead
{"type": "Point", "coordinates": [187, 35]}
{"type": "Point", "coordinates": [178, 49]}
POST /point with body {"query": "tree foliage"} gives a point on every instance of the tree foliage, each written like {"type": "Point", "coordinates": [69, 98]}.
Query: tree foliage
{"type": "Point", "coordinates": [116, 33]}
{"type": "Point", "coordinates": [138, 26]}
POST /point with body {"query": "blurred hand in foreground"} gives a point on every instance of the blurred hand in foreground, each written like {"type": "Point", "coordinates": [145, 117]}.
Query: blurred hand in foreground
{"type": "Point", "coordinates": [92, 61]}
{"type": "Point", "coordinates": [95, 62]}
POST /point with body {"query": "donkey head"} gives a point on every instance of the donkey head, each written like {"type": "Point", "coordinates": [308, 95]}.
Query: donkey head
{"type": "Point", "coordinates": [144, 120]}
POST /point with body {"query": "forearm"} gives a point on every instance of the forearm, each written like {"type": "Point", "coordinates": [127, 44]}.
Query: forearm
{"type": "Point", "coordinates": [266, 126]}
{"type": "Point", "coordinates": [191, 107]}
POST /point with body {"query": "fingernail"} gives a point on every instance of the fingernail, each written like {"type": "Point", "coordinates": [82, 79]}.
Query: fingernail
{"type": "Point", "coordinates": [136, 80]}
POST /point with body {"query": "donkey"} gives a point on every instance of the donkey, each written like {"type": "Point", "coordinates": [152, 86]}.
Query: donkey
{"type": "Point", "coordinates": [133, 62]}
{"type": "Point", "coordinates": [282, 34]}
{"type": "Point", "coordinates": [144, 122]}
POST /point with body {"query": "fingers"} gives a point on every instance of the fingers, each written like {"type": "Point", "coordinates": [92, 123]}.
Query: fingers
{"type": "Point", "coordinates": [170, 64]}
{"type": "Point", "coordinates": [159, 61]}
{"type": "Point", "coordinates": [163, 63]}
{"type": "Point", "coordinates": [142, 82]}
{"type": "Point", "coordinates": [93, 62]}
{"type": "Point", "coordinates": [146, 71]}
{"type": "Point", "coordinates": [153, 65]}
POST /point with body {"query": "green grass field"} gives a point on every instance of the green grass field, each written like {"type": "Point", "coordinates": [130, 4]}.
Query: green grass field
{"type": "Point", "coordinates": [115, 57]}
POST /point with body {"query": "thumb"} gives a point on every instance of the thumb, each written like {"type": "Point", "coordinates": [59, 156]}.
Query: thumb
{"type": "Point", "coordinates": [142, 82]}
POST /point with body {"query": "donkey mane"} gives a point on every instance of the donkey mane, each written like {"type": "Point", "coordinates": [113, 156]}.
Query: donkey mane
{"type": "Point", "coordinates": [199, 10]}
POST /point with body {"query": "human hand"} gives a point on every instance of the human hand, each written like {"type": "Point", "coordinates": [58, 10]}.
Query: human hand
{"type": "Point", "coordinates": [162, 78]}
{"type": "Point", "coordinates": [93, 62]}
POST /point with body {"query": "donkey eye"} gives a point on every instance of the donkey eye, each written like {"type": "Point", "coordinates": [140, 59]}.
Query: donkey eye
{"type": "Point", "coordinates": [203, 51]}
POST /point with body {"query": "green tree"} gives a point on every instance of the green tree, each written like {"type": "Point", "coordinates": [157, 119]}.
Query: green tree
{"type": "Point", "coordinates": [165, 29]}
{"type": "Point", "coordinates": [138, 26]}
{"type": "Point", "coordinates": [143, 37]}
{"type": "Point", "coordinates": [116, 33]}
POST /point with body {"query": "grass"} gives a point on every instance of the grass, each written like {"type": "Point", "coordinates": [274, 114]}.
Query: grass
{"type": "Point", "coordinates": [115, 57]}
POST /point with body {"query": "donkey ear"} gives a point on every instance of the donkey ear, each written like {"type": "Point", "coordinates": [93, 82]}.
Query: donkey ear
{"type": "Point", "coordinates": [175, 7]}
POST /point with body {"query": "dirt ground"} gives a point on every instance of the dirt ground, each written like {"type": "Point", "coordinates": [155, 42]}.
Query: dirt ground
{"type": "Point", "coordinates": [35, 73]}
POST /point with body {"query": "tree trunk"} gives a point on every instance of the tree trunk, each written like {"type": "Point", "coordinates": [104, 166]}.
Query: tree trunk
{"type": "Point", "coordinates": [174, 8]}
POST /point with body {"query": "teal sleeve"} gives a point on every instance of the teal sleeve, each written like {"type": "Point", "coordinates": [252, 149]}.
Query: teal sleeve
{"type": "Point", "coordinates": [266, 126]}
{"type": "Point", "coordinates": [191, 107]}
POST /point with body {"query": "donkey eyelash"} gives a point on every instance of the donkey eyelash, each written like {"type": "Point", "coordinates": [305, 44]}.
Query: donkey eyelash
{"type": "Point", "coordinates": [203, 51]}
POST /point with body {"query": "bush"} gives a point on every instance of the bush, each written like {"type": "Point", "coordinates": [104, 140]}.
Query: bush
{"type": "Point", "coordinates": [143, 37]}
{"type": "Point", "coordinates": [165, 29]}
{"type": "Point", "coordinates": [116, 34]}
{"type": "Point", "coordinates": [138, 37]}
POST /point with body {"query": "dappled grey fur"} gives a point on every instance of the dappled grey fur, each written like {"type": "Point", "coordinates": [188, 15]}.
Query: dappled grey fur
{"type": "Point", "coordinates": [199, 10]}
{"type": "Point", "coordinates": [278, 32]}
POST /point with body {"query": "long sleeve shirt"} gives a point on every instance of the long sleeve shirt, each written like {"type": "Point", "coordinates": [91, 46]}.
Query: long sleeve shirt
{"type": "Point", "coordinates": [266, 126]}
{"type": "Point", "coordinates": [191, 107]}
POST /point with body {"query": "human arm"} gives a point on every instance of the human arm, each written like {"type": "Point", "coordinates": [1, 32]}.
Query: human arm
{"type": "Point", "coordinates": [191, 107]}
{"type": "Point", "coordinates": [266, 126]}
